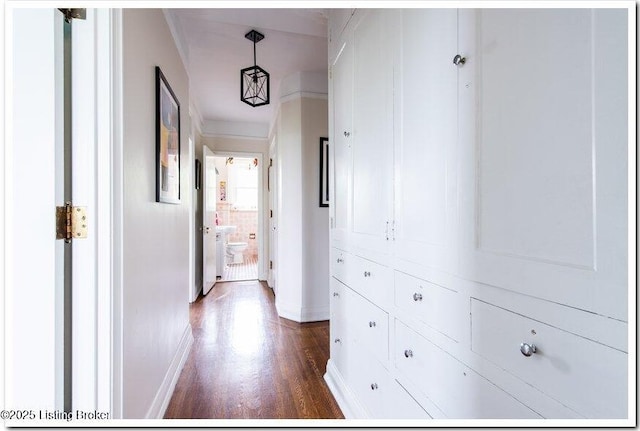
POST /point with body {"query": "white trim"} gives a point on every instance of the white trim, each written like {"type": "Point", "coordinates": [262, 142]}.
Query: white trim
{"type": "Point", "coordinates": [117, 220]}
{"type": "Point", "coordinates": [315, 314]}
{"type": "Point", "coordinates": [287, 312]}
{"type": "Point", "coordinates": [165, 391]}
{"type": "Point", "coordinates": [303, 95]}
{"type": "Point", "coordinates": [104, 210]}
{"type": "Point", "coordinates": [349, 404]}
{"type": "Point", "coordinates": [302, 315]}
{"type": "Point", "coordinates": [223, 136]}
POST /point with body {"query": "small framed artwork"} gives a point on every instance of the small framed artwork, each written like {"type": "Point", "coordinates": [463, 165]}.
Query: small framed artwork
{"type": "Point", "coordinates": [167, 142]}
{"type": "Point", "coordinates": [324, 172]}
{"type": "Point", "coordinates": [198, 172]}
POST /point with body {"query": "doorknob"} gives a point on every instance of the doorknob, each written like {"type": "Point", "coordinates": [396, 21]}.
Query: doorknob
{"type": "Point", "coordinates": [459, 60]}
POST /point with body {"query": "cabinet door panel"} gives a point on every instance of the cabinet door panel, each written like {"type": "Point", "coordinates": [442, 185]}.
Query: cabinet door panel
{"type": "Point", "coordinates": [425, 186]}
{"type": "Point", "coordinates": [372, 132]}
{"type": "Point", "coordinates": [543, 172]}
{"type": "Point", "coordinates": [340, 147]}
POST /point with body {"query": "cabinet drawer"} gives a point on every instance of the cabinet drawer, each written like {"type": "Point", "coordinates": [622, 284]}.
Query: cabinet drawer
{"type": "Point", "coordinates": [434, 305]}
{"type": "Point", "coordinates": [453, 387]}
{"type": "Point", "coordinates": [368, 325]}
{"type": "Point", "coordinates": [583, 375]}
{"type": "Point", "coordinates": [383, 397]}
{"type": "Point", "coordinates": [371, 280]}
{"type": "Point", "coordinates": [338, 264]}
{"type": "Point", "coordinates": [337, 325]}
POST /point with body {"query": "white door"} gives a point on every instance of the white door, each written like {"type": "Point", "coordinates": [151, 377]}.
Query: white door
{"type": "Point", "coordinates": [34, 187]}
{"type": "Point", "coordinates": [426, 114]}
{"type": "Point", "coordinates": [208, 221]}
{"type": "Point", "coordinates": [60, 349]}
{"type": "Point", "coordinates": [273, 237]}
{"type": "Point", "coordinates": [372, 135]}
{"type": "Point", "coordinates": [544, 170]}
{"type": "Point", "coordinates": [340, 147]}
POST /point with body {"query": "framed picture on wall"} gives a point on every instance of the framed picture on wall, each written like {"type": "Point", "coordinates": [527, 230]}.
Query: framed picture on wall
{"type": "Point", "coordinates": [167, 142]}
{"type": "Point", "coordinates": [324, 172]}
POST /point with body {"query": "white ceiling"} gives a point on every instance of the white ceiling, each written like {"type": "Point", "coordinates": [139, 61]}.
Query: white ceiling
{"type": "Point", "coordinates": [214, 49]}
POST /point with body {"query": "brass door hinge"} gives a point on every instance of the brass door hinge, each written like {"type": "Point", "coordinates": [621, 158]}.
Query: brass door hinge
{"type": "Point", "coordinates": [71, 222]}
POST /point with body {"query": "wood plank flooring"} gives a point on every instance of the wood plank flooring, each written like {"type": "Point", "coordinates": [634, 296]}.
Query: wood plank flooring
{"type": "Point", "coordinates": [246, 362]}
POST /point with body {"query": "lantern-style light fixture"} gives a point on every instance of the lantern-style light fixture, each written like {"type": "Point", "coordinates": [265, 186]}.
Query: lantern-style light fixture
{"type": "Point", "coordinates": [254, 80]}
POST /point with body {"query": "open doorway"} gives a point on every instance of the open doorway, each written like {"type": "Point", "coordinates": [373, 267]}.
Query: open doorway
{"type": "Point", "coordinates": [237, 217]}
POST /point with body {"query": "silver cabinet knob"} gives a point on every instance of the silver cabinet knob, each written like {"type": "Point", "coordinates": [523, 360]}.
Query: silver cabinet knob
{"type": "Point", "coordinates": [337, 340]}
{"type": "Point", "coordinates": [335, 294]}
{"type": "Point", "coordinates": [347, 134]}
{"type": "Point", "coordinates": [367, 274]}
{"type": "Point", "coordinates": [528, 349]}
{"type": "Point", "coordinates": [408, 353]}
{"type": "Point", "coordinates": [372, 324]}
{"type": "Point", "coordinates": [374, 386]}
{"type": "Point", "coordinates": [417, 297]}
{"type": "Point", "coordinates": [459, 60]}
{"type": "Point", "coordinates": [339, 260]}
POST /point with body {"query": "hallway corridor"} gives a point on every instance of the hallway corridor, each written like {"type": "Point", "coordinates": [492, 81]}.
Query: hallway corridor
{"type": "Point", "coordinates": [247, 363]}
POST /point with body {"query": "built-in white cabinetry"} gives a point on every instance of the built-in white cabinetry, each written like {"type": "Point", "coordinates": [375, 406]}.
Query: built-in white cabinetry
{"type": "Point", "coordinates": [372, 131]}
{"type": "Point", "coordinates": [479, 213]}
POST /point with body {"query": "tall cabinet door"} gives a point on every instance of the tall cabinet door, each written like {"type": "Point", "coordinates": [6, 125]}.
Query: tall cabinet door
{"type": "Point", "coordinates": [342, 92]}
{"type": "Point", "coordinates": [372, 136]}
{"type": "Point", "coordinates": [544, 172]}
{"type": "Point", "coordinates": [426, 136]}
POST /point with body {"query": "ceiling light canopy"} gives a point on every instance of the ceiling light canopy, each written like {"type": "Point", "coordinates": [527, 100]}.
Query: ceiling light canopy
{"type": "Point", "coordinates": [254, 80]}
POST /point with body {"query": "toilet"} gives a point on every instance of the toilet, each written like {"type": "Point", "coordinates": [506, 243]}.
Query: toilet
{"type": "Point", "coordinates": [234, 251]}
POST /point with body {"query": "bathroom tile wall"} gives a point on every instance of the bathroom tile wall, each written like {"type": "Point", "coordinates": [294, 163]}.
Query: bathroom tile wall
{"type": "Point", "coordinates": [246, 223]}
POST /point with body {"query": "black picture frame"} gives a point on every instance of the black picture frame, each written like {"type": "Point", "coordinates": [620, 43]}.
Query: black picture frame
{"type": "Point", "coordinates": [167, 142]}
{"type": "Point", "coordinates": [198, 174]}
{"type": "Point", "coordinates": [324, 172]}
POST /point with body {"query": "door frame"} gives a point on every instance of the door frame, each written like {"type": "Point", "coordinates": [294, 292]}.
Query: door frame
{"type": "Point", "coordinates": [273, 218]}
{"type": "Point", "coordinates": [262, 274]}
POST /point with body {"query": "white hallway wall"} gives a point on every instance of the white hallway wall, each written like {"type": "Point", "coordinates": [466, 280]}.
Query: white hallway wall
{"type": "Point", "coordinates": [302, 266]}
{"type": "Point", "coordinates": [156, 235]}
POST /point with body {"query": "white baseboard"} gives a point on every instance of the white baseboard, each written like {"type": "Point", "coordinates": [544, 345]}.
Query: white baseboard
{"type": "Point", "coordinates": [302, 315]}
{"type": "Point", "coordinates": [315, 314]}
{"type": "Point", "coordinates": [163, 396]}
{"type": "Point", "coordinates": [290, 313]}
{"type": "Point", "coordinates": [350, 406]}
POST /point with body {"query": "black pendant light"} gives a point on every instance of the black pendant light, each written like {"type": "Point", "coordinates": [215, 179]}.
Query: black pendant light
{"type": "Point", "coordinates": [254, 80]}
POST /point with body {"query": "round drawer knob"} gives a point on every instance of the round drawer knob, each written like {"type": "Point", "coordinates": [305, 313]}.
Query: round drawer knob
{"type": "Point", "coordinates": [372, 324]}
{"type": "Point", "coordinates": [374, 386]}
{"type": "Point", "coordinates": [347, 134]}
{"type": "Point", "coordinates": [408, 353]}
{"type": "Point", "coordinates": [340, 260]}
{"type": "Point", "coordinates": [459, 60]}
{"type": "Point", "coordinates": [337, 340]}
{"type": "Point", "coordinates": [367, 274]}
{"type": "Point", "coordinates": [527, 349]}
{"type": "Point", "coordinates": [417, 297]}
{"type": "Point", "coordinates": [335, 294]}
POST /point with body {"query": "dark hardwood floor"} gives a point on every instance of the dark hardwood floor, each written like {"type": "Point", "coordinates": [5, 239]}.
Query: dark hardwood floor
{"type": "Point", "coordinates": [246, 362]}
